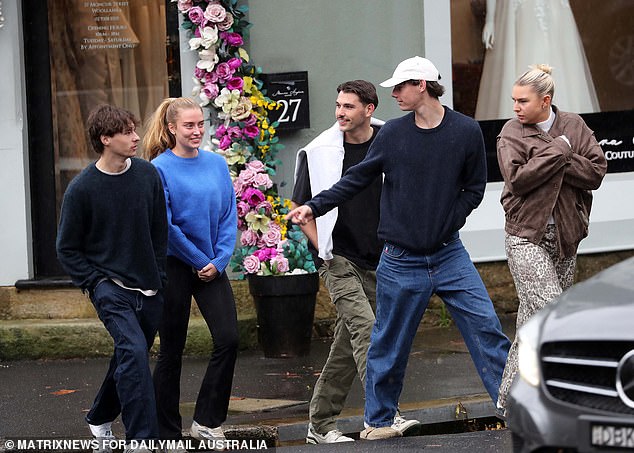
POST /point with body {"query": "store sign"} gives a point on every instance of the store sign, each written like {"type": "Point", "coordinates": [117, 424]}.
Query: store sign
{"type": "Point", "coordinates": [290, 91]}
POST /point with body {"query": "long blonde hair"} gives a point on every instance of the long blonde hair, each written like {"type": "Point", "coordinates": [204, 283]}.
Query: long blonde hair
{"type": "Point", "coordinates": [158, 136]}
{"type": "Point", "coordinates": [539, 78]}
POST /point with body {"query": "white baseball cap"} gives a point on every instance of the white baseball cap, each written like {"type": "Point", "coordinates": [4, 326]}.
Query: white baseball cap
{"type": "Point", "coordinates": [415, 68]}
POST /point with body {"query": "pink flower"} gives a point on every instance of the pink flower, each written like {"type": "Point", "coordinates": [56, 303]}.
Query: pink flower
{"type": "Point", "coordinates": [225, 142]}
{"type": "Point", "coordinates": [271, 237]}
{"type": "Point", "coordinates": [234, 63]}
{"type": "Point", "coordinates": [211, 77]}
{"type": "Point", "coordinates": [200, 74]}
{"type": "Point", "coordinates": [241, 225]}
{"type": "Point", "coordinates": [247, 176]}
{"type": "Point", "coordinates": [224, 71]}
{"type": "Point", "coordinates": [196, 15]}
{"type": "Point", "coordinates": [281, 264]}
{"type": "Point", "coordinates": [234, 132]}
{"type": "Point", "coordinates": [251, 131]}
{"type": "Point", "coordinates": [215, 13]}
{"type": "Point", "coordinates": [211, 90]}
{"type": "Point", "coordinates": [226, 24]}
{"type": "Point", "coordinates": [253, 196]}
{"type": "Point", "coordinates": [185, 5]}
{"type": "Point", "coordinates": [256, 165]}
{"type": "Point", "coordinates": [251, 120]}
{"type": "Point", "coordinates": [248, 237]}
{"type": "Point", "coordinates": [265, 254]}
{"type": "Point", "coordinates": [251, 264]}
{"type": "Point", "coordinates": [263, 180]}
{"type": "Point", "coordinates": [235, 83]}
{"type": "Point", "coordinates": [233, 39]}
{"type": "Point", "coordinates": [220, 131]}
{"type": "Point", "coordinates": [242, 208]}
{"type": "Point", "coordinates": [238, 187]}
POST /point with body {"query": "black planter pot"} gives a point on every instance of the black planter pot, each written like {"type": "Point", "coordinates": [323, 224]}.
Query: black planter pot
{"type": "Point", "coordinates": [285, 307]}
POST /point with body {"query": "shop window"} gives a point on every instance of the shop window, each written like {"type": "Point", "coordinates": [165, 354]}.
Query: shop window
{"type": "Point", "coordinates": [95, 51]}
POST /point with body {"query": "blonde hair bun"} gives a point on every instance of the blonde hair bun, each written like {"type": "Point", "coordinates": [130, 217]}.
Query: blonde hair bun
{"type": "Point", "coordinates": [542, 67]}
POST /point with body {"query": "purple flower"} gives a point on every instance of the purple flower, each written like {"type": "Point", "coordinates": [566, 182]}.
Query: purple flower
{"type": "Point", "coordinates": [267, 209]}
{"type": "Point", "coordinates": [234, 132]}
{"type": "Point", "coordinates": [253, 196]}
{"type": "Point", "coordinates": [221, 130]}
{"type": "Point", "coordinates": [225, 142]}
{"type": "Point", "coordinates": [211, 77]}
{"type": "Point", "coordinates": [251, 120]}
{"type": "Point", "coordinates": [200, 74]}
{"type": "Point", "coordinates": [196, 15]}
{"type": "Point", "coordinates": [265, 254]}
{"type": "Point", "coordinates": [211, 90]}
{"type": "Point", "coordinates": [242, 208]}
{"type": "Point", "coordinates": [251, 131]}
{"type": "Point", "coordinates": [251, 264]}
{"type": "Point", "coordinates": [224, 71]}
{"type": "Point", "coordinates": [235, 83]}
{"type": "Point", "coordinates": [233, 39]}
{"type": "Point", "coordinates": [235, 63]}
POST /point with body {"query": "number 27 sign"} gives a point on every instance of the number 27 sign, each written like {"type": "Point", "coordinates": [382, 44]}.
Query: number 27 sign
{"type": "Point", "coordinates": [290, 91]}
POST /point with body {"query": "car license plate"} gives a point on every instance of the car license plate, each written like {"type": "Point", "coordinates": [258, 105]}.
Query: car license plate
{"type": "Point", "coordinates": [616, 436]}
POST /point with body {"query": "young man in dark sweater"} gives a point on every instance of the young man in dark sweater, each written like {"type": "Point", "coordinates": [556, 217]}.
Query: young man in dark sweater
{"type": "Point", "coordinates": [347, 243]}
{"type": "Point", "coordinates": [112, 241]}
{"type": "Point", "coordinates": [434, 167]}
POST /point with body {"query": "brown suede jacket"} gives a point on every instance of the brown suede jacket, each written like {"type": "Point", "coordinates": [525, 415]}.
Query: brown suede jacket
{"type": "Point", "coordinates": [544, 176]}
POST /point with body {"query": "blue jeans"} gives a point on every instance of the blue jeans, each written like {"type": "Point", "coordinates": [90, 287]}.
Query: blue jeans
{"type": "Point", "coordinates": [405, 283]}
{"type": "Point", "coordinates": [132, 320]}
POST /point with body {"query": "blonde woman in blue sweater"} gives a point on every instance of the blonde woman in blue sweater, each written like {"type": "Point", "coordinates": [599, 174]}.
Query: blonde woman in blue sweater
{"type": "Point", "coordinates": [202, 226]}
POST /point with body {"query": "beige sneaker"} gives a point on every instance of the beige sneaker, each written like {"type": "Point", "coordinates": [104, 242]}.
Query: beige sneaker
{"type": "Point", "coordinates": [386, 432]}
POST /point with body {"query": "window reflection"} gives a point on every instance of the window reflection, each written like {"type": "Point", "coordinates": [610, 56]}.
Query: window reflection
{"type": "Point", "coordinates": [101, 52]}
{"type": "Point", "coordinates": [590, 48]}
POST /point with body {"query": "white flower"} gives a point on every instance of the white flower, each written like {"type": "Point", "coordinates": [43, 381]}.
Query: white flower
{"type": "Point", "coordinates": [208, 37]}
{"type": "Point", "coordinates": [208, 59]}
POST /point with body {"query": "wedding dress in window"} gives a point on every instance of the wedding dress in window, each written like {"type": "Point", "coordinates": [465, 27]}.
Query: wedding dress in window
{"type": "Point", "coordinates": [529, 32]}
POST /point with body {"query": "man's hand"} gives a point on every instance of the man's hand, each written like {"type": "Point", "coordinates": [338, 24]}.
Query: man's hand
{"type": "Point", "coordinates": [301, 215]}
{"type": "Point", "coordinates": [208, 273]}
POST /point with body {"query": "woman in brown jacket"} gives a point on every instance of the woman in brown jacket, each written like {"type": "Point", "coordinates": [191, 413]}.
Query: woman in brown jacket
{"type": "Point", "coordinates": [550, 162]}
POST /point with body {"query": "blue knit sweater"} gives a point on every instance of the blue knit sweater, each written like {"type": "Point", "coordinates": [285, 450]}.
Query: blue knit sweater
{"type": "Point", "coordinates": [201, 208]}
{"type": "Point", "coordinates": [434, 178]}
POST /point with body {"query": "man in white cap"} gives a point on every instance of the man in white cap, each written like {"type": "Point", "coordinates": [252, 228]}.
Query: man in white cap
{"type": "Point", "coordinates": [434, 165]}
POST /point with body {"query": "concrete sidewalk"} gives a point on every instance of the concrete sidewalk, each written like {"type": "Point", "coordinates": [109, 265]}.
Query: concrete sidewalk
{"type": "Point", "coordinates": [49, 398]}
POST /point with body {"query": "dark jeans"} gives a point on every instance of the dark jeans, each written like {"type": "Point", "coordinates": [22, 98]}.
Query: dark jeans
{"type": "Point", "coordinates": [132, 320]}
{"type": "Point", "coordinates": [216, 304]}
{"type": "Point", "coordinates": [405, 282]}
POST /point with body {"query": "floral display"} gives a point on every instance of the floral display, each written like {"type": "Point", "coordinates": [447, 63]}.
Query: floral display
{"type": "Point", "coordinates": [226, 81]}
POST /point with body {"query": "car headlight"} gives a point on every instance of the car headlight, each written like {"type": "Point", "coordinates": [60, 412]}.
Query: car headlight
{"type": "Point", "coordinates": [527, 346]}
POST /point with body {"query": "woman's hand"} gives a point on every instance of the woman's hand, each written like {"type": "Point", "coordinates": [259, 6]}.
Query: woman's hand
{"type": "Point", "coordinates": [208, 273]}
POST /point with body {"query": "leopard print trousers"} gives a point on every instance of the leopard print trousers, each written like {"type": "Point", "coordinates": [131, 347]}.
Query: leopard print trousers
{"type": "Point", "coordinates": [540, 275]}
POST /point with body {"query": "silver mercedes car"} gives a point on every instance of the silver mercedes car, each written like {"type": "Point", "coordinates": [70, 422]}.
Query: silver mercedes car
{"type": "Point", "coordinates": [575, 385]}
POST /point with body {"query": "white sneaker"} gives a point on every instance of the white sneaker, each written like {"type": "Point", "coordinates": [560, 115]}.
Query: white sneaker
{"type": "Point", "coordinates": [103, 433]}
{"type": "Point", "coordinates": [406, 427]}
{"type": "Point", "coordinates": [200, 432]}
{"type": "Point", "coordinates": [331, 437]}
